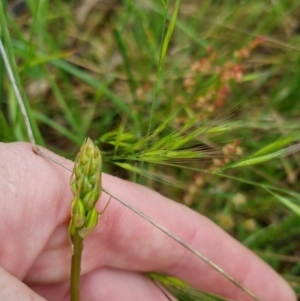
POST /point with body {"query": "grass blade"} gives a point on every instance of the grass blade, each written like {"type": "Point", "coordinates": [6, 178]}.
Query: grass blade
{"type": "Point", "coordinates": [162, 55]}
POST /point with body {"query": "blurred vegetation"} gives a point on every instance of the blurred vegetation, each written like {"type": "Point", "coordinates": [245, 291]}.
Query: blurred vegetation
{"type": "Point", "coordinates": [224, 134]}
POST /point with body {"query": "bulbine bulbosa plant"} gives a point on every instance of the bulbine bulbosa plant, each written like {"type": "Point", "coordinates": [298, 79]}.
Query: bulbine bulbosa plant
{"type": "Point", "coordinates": [86, 187]}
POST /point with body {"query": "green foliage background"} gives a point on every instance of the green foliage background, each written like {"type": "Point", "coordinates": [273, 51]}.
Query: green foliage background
{"type": "Point", "coordinates": [223, 89]}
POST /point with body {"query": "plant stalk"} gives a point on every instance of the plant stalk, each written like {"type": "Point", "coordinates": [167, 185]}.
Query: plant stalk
{"type": "Point", "coordinates": [2, 67]}
{"type": "Point", "coordinates": [77, 241]}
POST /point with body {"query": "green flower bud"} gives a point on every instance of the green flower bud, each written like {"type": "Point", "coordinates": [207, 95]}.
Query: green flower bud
{"type": "Point", "coordinates": [78, 212]}
{"type": "Point", "coordinates": [71, 229]}
{"type": "Point", "coordinates": [90, 223]}
{"type": "Point", "coordinates": [89, 199]}
{"type": "Point", "coordinates": [78, 171]}
{"type": "Point", "coordinates": [86, 175]}
{"type": "Point", "coordinates": [85, 186]}
{"type": "Point", "coordinates": [74, 187]}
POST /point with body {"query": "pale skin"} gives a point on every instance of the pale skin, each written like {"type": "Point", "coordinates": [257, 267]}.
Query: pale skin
{"type": "Point", "coordinates": [35, 251]}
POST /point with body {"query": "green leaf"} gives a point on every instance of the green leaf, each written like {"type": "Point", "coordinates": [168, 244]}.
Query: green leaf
{"type": "Point", "coordinates": [286, 202]}
{"type": "Point", "coordinates": [264, 158]}
{"type": "Point", "coordinates": [169, 33]}
{"type": "Point", "coordinates": [278, 144]}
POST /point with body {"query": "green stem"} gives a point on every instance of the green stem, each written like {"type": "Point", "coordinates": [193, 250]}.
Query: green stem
{"type": "Point", "coordinates": [2, 67]}
{"type": "Point", "coordinates": [75, 267]}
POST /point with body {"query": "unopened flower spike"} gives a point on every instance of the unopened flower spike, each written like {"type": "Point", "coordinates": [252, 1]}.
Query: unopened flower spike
{"type": "Point", "coordinates": [86, 188]}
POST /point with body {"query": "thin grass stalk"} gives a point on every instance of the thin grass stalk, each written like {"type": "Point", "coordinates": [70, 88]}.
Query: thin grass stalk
{"type": "Point", "coordinates": [18, 95]}
{"type": "Point", "coordinates": [7, 54]}
{"type": "Point", "coordinates": [158, 73]}
{"type": "Point", "coordinates": [163, 51]}
{"type": "Point", "coordinates": [2, 67]}
{"type": "Point", "coordinates": [165, 43]}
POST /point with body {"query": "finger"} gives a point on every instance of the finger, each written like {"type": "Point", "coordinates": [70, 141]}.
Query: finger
{"type": "Point", "coordinates": [145, 248]}
{"type": "Point", "coordinates": [12, 289]}
{"type": "Point", "coordinates": [34, 200]}
{"type": "Point", "coordinates": [120, 285]}
{"type": "Point", "coordinates": [123, 240]}
{"type": "Point", "coordinates": [107, 284]}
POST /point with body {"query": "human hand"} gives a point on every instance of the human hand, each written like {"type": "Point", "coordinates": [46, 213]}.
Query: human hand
{"type": "Point", "coordinates": [35, 251]}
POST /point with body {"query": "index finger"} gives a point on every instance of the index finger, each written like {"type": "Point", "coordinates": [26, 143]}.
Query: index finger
{"type": "Point", "coordinates": [123, 240]}
{"type": "Point", "coordinates": [144, 248]}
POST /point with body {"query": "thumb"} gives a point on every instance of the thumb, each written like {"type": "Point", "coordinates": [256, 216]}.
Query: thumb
{"type": "Point", "coordinates": [12, 289]}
